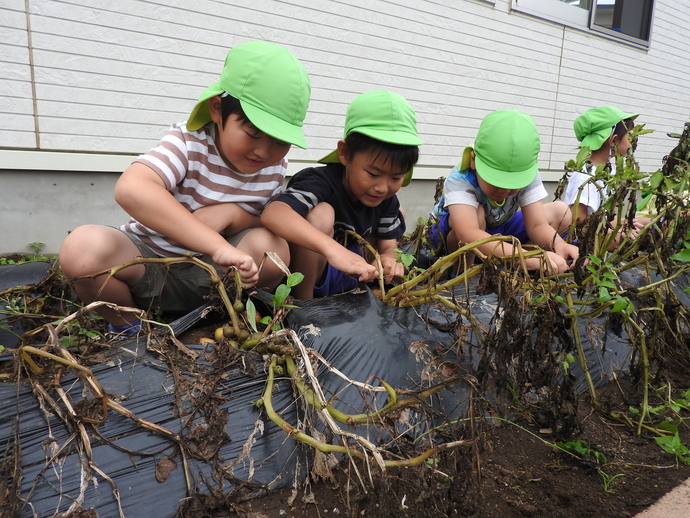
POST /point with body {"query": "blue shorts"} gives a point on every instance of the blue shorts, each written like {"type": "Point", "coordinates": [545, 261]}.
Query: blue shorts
{"type": "Point", "coordinates": [515, 227]}
{"type": "Point", "coordinates": [334, 281]}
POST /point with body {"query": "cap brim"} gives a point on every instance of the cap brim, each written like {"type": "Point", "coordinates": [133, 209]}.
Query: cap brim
{"type": "Point", "coordinates": [330, 158]}
{"type": "Point", "coordinates": [269, 124]}
{"type": "Point", "coordinates": [200, 113]}
{"type": "Point", "coordinates": [466, 158]}
{"type": "Point", "coordinates": [595, 140]}
{"type": "Point", "coordinates": [274, 126]}
{"type": "Point", "coordinates": [408, 177]}
{"type": "Point", "coordinates": [401, 138]}
{"type": "Point", "coordinates": [503, 179]}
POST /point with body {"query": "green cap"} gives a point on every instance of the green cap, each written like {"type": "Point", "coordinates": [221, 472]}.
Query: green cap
{"type": "Point", "coordinates": [272, 86]}
{"type": "Point", "coordinates": [506, 149]}
{"type": "Point", "coordinates": [595, 126]}
{"type": "Point", "coordinates": [384, 116]}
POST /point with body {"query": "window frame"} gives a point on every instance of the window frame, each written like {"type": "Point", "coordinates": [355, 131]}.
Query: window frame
{"type": "Point", "coordinates": [580, 18]}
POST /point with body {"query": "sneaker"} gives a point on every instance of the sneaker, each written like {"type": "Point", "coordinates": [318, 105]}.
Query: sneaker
{"type": "Point", "coordinates": [123, 332]}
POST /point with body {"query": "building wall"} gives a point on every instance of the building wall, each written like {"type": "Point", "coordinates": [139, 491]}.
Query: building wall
{"type": "Point", "coordinates": [85, 86]}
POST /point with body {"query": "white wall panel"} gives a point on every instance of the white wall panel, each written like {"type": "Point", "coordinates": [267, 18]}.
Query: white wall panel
{"type": "Point", "coordinates": [111, 76]}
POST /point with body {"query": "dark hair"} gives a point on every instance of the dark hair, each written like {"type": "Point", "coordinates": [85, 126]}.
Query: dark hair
{"type": "Point", "coordinates": [622, 128]}
{"type": "Point", "coordinates": [399, 156]}
{"type": "Point", "coordinates": [230, 105]}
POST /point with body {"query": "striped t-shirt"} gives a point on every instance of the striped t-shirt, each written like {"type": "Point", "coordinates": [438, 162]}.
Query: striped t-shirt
{"type": "Point", "coordinates": [193, 171]}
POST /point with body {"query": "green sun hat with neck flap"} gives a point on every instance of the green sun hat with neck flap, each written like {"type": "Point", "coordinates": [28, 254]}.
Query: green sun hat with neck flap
{"type": "Point", "coordinates": [272, 86]}
{"type": "Point", "coordinates": [595, 126]}
{"type": "Point", "coordinates": [384, 116]}
{"type": "Point", "coordinates": [506, 149]}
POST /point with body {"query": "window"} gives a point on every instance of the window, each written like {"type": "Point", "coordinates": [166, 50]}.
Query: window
{"type": "Point", "coordinates": [630, 20]}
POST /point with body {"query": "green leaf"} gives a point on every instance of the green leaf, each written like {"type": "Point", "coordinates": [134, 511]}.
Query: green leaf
{"type": "Point", "coordinates": [668, 426]}
{"type": "Point", "coordinates": [683, 255]}
{"type": "Point", "coordinates": [604, 295]}
{"type": "Point", "coordinates": [583, 154]}
{"type": "Point", "coordinates": [620, 304]}
{"type": "Point", "coordinates": [282, 292]}
{"type": "Point", "coordinates": [405, 259]}
{"type": "Point", "coordinates": [294, 279]}
{"type": "Point", "coordinates": [655, 180]}
{"type": "Point", "coordinates": [250, 308]}
{"type": "Point", "coordinates": [671, 444]}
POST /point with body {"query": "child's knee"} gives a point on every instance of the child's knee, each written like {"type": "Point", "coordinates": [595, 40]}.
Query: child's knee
{"type": "Point", "coordinates": [260, 240]}
{"type": "Point", "coordinates": [91, 248]}
{"type": "Point", "coordinates": [322, 217]}
{"type": "Point", "coordinates": [75, 246]}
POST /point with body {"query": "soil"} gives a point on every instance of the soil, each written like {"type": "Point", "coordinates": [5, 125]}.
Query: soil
{"type": "Point", "coordinates": [509, 470]}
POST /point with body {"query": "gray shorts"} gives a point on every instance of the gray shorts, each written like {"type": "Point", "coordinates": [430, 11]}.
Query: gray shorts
{"type": "Point", "coordinates": [177, 288]}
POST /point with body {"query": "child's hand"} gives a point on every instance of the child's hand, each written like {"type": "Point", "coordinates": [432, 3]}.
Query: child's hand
{"type": "Point", "coordinates": [391, 267]}
{"type": "Point", "coordinates": [556, 264]}
{"type": "Point", "coordinates": [352, 264]}
{"type": "Point", "coordinates": [638, 224]}
{"type": "Point", "coordinates": [231, 256]}
{"type": "Point", "coordinates": [568, 252]}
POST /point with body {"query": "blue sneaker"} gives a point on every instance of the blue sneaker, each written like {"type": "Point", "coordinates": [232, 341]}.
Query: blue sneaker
{"type": "Point", "coordinates": [125, 331]}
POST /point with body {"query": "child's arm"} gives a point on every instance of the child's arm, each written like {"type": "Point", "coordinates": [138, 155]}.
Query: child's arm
{"type": "Point", "coordinates": [545, 236]}
{"type": "Point", "coordinates": [228, 218]}
{"type": "Point", "coordinates": [282, 220]}
{"type": "Point", "coordinates": [579, 210]}
{"type": "Point", "coordinates": [465, 225]}
{"type": "Point", "coordinates": [142, 193]}
{"type": "Point", "coordinates": [387, 249]}
{"type": "Point", "coordinates": [466, 228]}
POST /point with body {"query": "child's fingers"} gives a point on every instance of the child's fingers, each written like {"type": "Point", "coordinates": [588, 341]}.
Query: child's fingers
{"type": "Point", "coordinates": [249, 273]}
{"type": "Point", "coordinates": [368, 273]}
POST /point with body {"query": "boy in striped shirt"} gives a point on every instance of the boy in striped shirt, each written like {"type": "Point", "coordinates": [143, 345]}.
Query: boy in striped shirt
{"type": "Point", "coordinates": [200, 191]}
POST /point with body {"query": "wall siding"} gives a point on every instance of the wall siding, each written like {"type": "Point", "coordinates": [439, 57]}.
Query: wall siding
{"type": "Point", "coordinates": [112, 77]}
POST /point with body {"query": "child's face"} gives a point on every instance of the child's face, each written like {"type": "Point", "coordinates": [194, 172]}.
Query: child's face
{"type": "Point", "coordinates": [369, 178]}
{"type": "Point", "coordinates": [243, 147]}
{"type": "Point", "coordinates": [492, 192]}
{"type": "Point", "coordinates": [621, 144]}
{"type": "Point", "coordinates": [497, 194]}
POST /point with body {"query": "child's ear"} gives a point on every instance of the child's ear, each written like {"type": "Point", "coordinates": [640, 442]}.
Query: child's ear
{"type": "Point", "coordinates": [214, 104]}
{"type": "Point", "coordinates": [472, 162]}
{"type": "Point", "coordinates": [342, 152]}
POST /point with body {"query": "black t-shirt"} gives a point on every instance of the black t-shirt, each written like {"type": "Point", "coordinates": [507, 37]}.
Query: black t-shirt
{"type": "Point", "coordinates": [324, 184]}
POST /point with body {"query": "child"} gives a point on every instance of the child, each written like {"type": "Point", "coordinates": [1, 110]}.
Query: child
{"type": "Point", "coordinates": [355, 191]}
{"type": "Point", "coordinates": [201, 190]}
{"type": "Point", "coordinates": [604, 130]}
{"type": "Point", "coordinates": [496, 190]}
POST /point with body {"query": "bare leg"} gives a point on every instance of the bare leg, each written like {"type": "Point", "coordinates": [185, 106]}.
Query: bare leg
{"type": "Point", "coordinates": [312, 264]}
{"type": "Point", "coordinates": [255, 243]}
{"type": "Point", "coordinates": [93, 248]}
